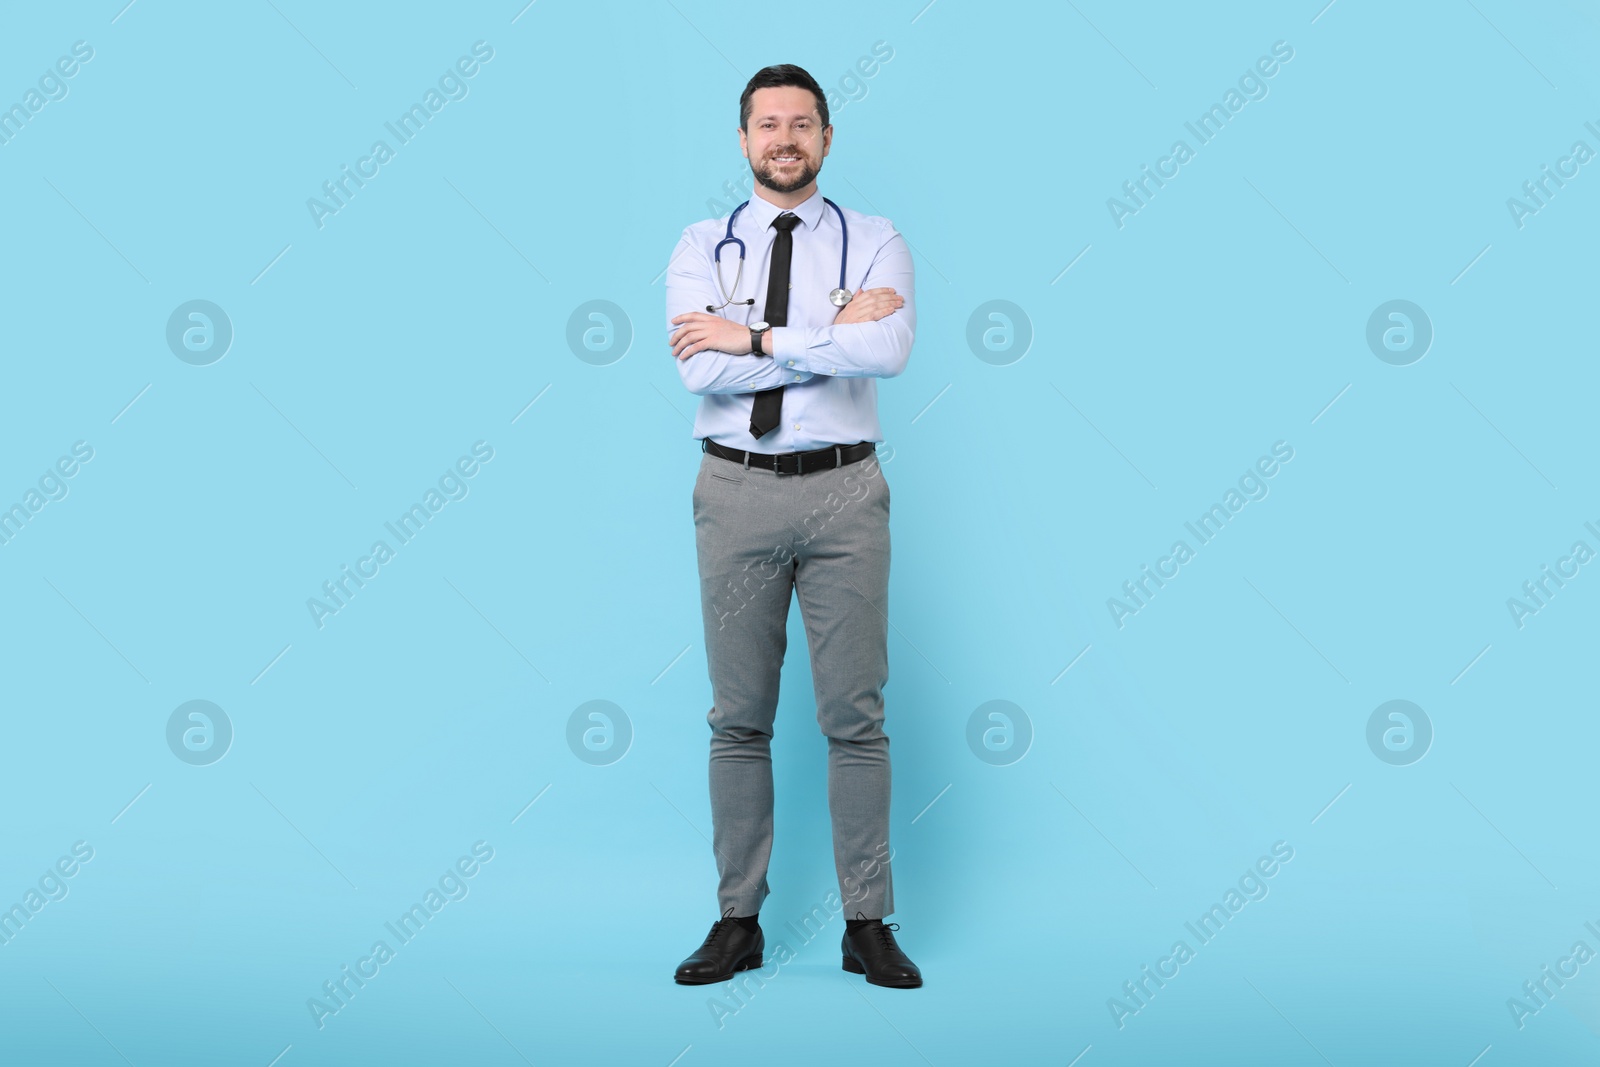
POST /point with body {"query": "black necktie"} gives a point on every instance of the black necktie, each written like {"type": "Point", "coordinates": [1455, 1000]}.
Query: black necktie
{"type": "Point", "coordinates": [764, 411]}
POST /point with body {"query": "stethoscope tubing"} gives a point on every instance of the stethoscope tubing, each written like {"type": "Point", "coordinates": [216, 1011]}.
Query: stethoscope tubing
{"type": "Point", "coordinates": [844, 252]}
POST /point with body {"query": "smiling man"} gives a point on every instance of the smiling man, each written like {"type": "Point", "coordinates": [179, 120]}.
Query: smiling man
{"type": "Point", "coordinates": [790, 500]}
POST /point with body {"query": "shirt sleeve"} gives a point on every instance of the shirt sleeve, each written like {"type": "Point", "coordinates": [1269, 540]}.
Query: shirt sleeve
{"type": "Point", "coordinates": [690, 288]}
{"type": "Point", "coordinates": [858, 349]}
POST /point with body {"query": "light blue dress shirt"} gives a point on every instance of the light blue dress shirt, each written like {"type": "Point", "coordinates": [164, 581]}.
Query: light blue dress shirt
{"type": "Point", "coordinates": [830, 372]}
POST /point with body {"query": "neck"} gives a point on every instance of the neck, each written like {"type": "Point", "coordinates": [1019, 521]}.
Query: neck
{"type": "Point", "coordinates": [786, 200]}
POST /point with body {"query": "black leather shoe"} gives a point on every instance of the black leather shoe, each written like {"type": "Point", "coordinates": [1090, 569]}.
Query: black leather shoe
{"type": "Point", "coordinates": [870, 950]}
{"type": "Point", "coordinates": [728, 948]}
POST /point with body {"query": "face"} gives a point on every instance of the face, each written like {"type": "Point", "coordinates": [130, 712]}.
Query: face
{"type": "Point", "coordinates": [785, 141]}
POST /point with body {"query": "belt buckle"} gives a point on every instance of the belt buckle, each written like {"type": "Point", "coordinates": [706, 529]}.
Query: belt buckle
{"type": "Point", "coordinates": [799, 462]}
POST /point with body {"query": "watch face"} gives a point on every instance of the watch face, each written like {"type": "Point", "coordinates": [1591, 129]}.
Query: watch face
{"type": "Point", "coordinates": [759, 326]}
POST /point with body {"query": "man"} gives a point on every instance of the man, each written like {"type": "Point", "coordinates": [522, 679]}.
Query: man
{"type": "Point", "coordinates": [790, 499]}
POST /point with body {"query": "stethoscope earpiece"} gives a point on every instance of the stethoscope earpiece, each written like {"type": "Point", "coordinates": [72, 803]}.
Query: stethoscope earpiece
{"type": "Point", "coordinates": [838, 297]}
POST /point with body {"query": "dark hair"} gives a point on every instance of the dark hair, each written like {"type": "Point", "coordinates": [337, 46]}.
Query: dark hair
{"type": "Point", "coordinates": [772, 78]}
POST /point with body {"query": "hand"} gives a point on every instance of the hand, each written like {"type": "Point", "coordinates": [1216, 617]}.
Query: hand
{"type": "Point", "coordinates": [702, 331]}
{"type": "Point", "coordinates": [870, 305]}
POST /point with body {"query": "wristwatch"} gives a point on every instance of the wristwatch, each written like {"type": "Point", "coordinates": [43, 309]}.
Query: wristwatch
{"type": "Point", "coordinates": [756, 330]}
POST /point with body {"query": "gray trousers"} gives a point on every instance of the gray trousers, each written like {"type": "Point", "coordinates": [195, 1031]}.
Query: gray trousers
{"type": "Point", "coordinates": [762, 537]}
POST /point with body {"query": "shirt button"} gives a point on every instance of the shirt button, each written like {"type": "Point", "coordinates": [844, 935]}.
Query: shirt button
{"type": "Point", "coordinates": [797, 425]}
{"type": "Point", "coordinates": [833, 370]}
{"type": "Point", "coordinates": [791, 363]}
{"type": "Point", "coordinates": [797, 377]}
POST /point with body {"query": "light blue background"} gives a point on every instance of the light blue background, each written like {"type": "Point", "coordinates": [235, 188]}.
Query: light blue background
{"type": "Point", "coordinates": [1230, 713]}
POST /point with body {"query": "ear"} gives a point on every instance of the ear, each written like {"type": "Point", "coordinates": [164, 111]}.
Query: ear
{"type": "Point", "coordinates": [744, 143]}
{"type": "Point", "coordinates": [827, 138]}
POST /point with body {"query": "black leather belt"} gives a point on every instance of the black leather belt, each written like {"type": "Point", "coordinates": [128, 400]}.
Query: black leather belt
{"type": "Point", "coordinates": [820, 459]}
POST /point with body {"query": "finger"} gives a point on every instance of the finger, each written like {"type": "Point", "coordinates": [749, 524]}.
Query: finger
{"type": "Point", "coordinates": [698, 339]}
{"type": "Point", "coordinates": [682, 341]}
{"type": "Point", "coordinates": [689, 341]}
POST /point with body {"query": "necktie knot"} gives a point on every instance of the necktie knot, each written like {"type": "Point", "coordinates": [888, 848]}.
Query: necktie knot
{"type": "Point", "coordinates": [786, 222]}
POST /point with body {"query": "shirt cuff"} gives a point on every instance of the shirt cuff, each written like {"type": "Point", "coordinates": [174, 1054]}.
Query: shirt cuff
{"type": "Point", "coordinates": [789, 352]}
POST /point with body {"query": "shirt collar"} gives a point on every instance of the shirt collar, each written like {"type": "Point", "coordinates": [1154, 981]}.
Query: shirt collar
{"type": "Point", "coordinates": [762, 211]}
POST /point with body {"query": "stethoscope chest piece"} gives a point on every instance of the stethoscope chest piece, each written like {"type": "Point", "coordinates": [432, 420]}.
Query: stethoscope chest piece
{"type": "Point", "coordinates": [840, 297]}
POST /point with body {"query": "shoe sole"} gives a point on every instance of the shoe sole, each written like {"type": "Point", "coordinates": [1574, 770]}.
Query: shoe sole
{"type": "Point", "coordinates": [748, 965]}
{"type": "Point", "coordinates": [855, 968]}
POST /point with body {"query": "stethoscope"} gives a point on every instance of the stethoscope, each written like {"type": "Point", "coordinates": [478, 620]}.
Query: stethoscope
{"type": "Point", "coordinates": [839, 297]}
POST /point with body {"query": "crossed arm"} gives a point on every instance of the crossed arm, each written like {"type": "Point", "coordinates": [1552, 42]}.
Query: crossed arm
{"type": "Point", "coordinates": [870, 337]}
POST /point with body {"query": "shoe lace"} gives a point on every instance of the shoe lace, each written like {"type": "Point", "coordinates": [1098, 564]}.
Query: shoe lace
{"type": "Point", "coordinates": [883, 931]}
{"type": "Point", "coordinates": [720, 927]}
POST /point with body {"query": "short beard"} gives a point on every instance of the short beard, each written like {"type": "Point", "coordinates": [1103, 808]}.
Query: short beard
{"type": "Point", "coordinates": [806, 176]}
